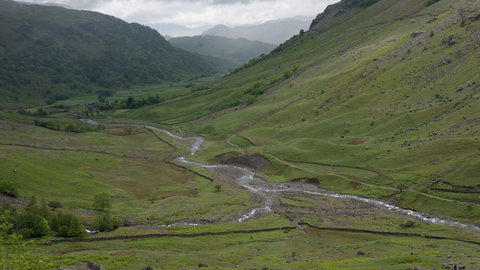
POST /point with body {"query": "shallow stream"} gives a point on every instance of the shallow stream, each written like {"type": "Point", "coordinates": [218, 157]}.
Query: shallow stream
{"type": "Point", "coordinates": [245, 177]}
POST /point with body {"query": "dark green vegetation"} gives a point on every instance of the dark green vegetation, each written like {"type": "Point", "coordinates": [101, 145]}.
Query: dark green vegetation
{"type": "Point", "coordinates": [239, 51]}
{"type": "Point", "coordinates": [53, 53]}
{"type": "Point", "coordinates": [384, 104]}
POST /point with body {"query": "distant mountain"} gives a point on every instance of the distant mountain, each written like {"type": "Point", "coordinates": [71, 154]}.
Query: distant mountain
{"type": "Point", "coordinates": [48, 4]}
{"type": "Point", "coordinates": [52, 50]}
{"type": "Point", "coordinates": [239, 51]}
{"type": "Point", "coordinates": [175, 30]}
{"type": "Point", "coordinates": [273, 32]}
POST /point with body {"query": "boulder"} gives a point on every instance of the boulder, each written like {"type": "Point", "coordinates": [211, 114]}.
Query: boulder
{"type": "Point", "coordinates": [93, 265]}
{"type": "Point", "coordinates": [361, 252]}
{"type": "Point", "coordinates": [202, 265]}
{"type": "Point", "coordinates": [130, 222]}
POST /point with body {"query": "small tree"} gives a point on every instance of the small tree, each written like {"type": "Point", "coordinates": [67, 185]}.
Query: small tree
{"type": "Point", "coordinates": [54, 223]}
{"type": "Point", "coordinates": [130, 100]}
{"type": "Point", "coordinates": [401, 187]}
{"type": "Point", "coordinates": [218, 187]}
{"type": "Point", "coordinates": [55, 204]}
{"type": "Point", "coordinates": [76, 228]}
{"type": "Point", "coordinates": [102, 202]}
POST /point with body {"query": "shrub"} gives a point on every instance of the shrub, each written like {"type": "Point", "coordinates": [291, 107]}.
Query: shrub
{"type": "Point", "coordinates": [218, 187]}
{"type": "Point", "coordinates": [33, 225]}
{"type": "Point", "coordinates": [129, 129]}
{"type": "Point", "coordinates": [63, 231]}
{"type": "Point", "coordinates": [104, 223]}
{"type": "Point", "coordinates": [9, 188]}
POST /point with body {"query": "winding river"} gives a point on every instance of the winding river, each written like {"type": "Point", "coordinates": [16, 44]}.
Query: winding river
{"type": "Point", "coordinates": [245, 177]}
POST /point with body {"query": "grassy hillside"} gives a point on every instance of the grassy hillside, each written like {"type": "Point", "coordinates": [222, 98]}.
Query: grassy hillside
{"type": "Point", "coordinates": [239, 51]}
{"type": "Point", "coordinates": [392, 89]}
{"type": "Point", "coordinates": [382, 103]}
{"type": "Point", "coordinates": [56, 52]}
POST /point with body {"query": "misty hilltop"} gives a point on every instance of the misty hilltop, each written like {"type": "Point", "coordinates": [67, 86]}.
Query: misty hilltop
{"type": "Point", "coordinates": [239, 51]}
{"type": "Point", "coordinates": [273, 32]}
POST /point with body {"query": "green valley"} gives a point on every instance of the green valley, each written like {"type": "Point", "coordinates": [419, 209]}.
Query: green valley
{"type": "Point", "coordinates": [354, 145]}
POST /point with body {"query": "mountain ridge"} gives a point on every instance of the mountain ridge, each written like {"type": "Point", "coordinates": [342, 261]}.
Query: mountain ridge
{"type": "Point", "coordinates": [239, 51]}
{"type": "Point", "coordinates": [82, 50]}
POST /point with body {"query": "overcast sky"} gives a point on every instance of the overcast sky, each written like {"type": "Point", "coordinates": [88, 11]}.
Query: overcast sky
{"type": "Point", "coordinates": [195, 13]}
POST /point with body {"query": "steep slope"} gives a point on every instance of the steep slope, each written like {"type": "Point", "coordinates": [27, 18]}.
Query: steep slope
{"type": "Point", "coordinates": [393, 89]}
{"type": "Point", "coordinates": [239, 51]}
{"type": "Point", "coordinates": [76, 50]}
{"type": "Point", "coordinates": [273, 32]}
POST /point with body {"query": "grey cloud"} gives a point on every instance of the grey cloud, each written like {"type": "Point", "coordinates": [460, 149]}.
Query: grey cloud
{"type": "Point", "coordinates": [199, 12]}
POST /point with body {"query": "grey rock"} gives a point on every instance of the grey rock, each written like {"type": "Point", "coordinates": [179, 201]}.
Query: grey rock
{"type": "Point", "coordinates": [361, 252]}
{"type": "Point", "coordinates": [202, 265]}
{"type": "Point", "coordinates": [93, 265]}
{"type": "Point", "coordinates": [130, 222]}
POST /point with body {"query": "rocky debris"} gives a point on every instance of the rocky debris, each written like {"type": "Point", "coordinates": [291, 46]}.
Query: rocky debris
{"type": "Point", "coordinates": [255, 161]}
{"type": "Point", "coordinates": [416, 33]}
{"type": "Point", "coordinates": [84, 266]}
{"type": "Point", "coordinates": [313, 181]}
{"type": "Point", "coordinates": [202, 265]}
{"type": "Point", "coordinates": [361, 252]}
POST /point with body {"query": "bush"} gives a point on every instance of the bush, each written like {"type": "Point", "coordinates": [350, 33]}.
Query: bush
{"type": "Point", "coordinates": [63, 231]}
{"type": "Point", "coordinates": [9, 188]}
{"type": "Point", "coordinates": [33, 225]}
{"type": "Point", "coordinates": [104, 223]}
